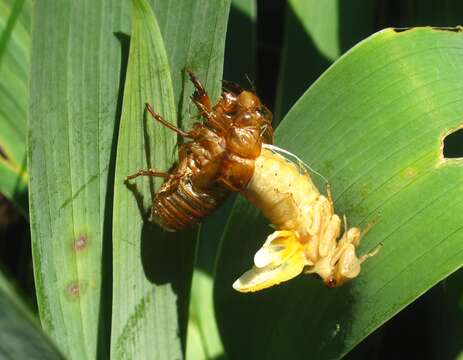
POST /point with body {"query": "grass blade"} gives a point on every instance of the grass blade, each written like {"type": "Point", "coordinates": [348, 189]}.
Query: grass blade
{"type": "Point", "coordinates": [316, 33]}
{"type": "Point", "coordinates": [20, 333]}
{"type": "Point", "coordinates": [194, 32]}
{"type": "Point", "coordinates": [75, 80]}
{"type": "Point", "coordinates": [151, 267]}
{"type": "Point", "coordinates": [15, 45]}
{"type": "Point", "coordinates": [373, 125]}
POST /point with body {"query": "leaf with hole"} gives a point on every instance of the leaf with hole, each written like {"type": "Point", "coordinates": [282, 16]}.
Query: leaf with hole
{"type": "Point", "coordinates": [373, 124]}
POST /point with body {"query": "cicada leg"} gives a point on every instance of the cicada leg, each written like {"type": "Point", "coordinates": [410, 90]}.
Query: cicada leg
{"type": "Point", "coordinates": [148, 172]}
{"type": "Point", "coordinates": [164, 122]}
{"type": "Point", "coordinates": [200, 96]}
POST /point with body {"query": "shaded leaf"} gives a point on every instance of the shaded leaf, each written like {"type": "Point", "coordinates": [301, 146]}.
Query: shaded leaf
{"type": "Point", "coordinates": [445, 313]}
{"type": "Point", "coordinates": [316, 33]}
{"type": "Point", "coordinates": [20, 334]}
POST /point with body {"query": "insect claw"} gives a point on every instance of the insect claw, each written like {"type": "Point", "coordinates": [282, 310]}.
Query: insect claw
{"type": "Point", "coordinates": [164, 122]}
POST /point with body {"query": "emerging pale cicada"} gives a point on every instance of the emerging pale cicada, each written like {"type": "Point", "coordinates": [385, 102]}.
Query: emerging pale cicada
{"type": "Point", "coordinates": [308, 237]}
{"type": "Point", "coordinates": [232, 152]}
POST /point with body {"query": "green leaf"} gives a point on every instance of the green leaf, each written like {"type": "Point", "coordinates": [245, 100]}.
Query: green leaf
{"type": "Point", "coordinates": [20, 334]}
{"type": "Point", "coordinates": [145, 321]}
{"type": "Point", "coordinates": [373, 125]}
{"type": "Point", "coordinates": [316, 33]}
{"type": "Point", "coordinates": [75, 100]}
{"type": "Point", "coordinates": [159, 263]}
{"type": "Point", "coordinates": [194, 34]}
{"type": "Point", "coordinates": [15, 45]}
{"type": "Point", "coordinates": [203, 340]}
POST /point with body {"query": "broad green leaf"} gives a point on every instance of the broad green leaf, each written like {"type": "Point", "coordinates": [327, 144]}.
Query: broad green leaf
{"type": "Point", "coordinates": [194, 34]}
{"type": "Point", "coordinates": [15, 45]}
{"type": "Point", "coordinates": [316, 33]}
{"type": "Point", "coordinates": [20, 333]}
{"type": "Point", "coordinates": [373, 125]}
{"type": "Point", "coordinates": [75, 103]}
{"type": "Point", "coordinates": [203, 340]}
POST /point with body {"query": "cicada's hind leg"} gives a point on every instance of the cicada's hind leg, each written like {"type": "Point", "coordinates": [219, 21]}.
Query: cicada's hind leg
{"type": "Point", "coordinates": [148, 172]}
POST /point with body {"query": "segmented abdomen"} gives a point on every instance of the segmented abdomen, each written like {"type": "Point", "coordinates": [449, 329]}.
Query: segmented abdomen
{"type": "Point", "coordinates": [177, 206]}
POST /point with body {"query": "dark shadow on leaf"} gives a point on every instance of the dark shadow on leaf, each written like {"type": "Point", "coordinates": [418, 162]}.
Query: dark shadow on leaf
{"type": "Point", "coordinates": [104, 323]}
{"type": "Point", "coordinates": [20, 190]}
{"type": "Point", "coordinates": [167, 259]}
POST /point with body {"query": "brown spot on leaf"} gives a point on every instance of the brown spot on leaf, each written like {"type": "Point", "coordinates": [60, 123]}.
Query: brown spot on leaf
{"type": "Point", "coordinates": [74, 290]}
{"type": "Point", "coordinates": [81, 242]}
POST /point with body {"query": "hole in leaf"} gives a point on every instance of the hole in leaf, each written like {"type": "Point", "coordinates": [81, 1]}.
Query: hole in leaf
{"type": "Point", "coordinates": [453, 145]}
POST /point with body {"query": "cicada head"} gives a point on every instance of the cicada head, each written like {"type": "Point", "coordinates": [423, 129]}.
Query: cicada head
{"type": "Point", "coordinates": [259, 116]}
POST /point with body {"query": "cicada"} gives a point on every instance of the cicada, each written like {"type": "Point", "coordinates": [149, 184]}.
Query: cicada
{"type": "Point", "coordinates": [308, 236]}
{"type": "Point", "coordinates": [207, 170]}
{"type": "Point", "coordinates": [232, 151]}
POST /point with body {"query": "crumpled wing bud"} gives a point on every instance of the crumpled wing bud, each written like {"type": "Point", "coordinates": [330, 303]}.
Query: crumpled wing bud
{"type": "Point", "coordinates": [280, 259]}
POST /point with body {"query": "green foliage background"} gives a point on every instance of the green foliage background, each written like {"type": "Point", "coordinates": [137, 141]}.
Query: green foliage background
{"type": "Point", "coordinates": [73, 80]}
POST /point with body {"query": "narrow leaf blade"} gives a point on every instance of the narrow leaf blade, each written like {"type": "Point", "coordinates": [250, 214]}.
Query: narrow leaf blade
{"type": "Point", "coordinates": [20, 333]}
{"type": "Point", "coordinates": [15, 46]}
{"type": "Point", "coordinates": [75, 80]}
{"type": "Point", "coordinates": [151, 267]}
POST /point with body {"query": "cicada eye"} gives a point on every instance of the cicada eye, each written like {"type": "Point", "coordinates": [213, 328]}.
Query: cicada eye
{"type": "Point", "coordinates": [331, 282]}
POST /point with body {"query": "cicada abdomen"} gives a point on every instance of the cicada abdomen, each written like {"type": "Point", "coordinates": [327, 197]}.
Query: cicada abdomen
{"type": "Point", "coordinates": [308, 236]}
{"type": "Point", "coordinates": [195, 187]}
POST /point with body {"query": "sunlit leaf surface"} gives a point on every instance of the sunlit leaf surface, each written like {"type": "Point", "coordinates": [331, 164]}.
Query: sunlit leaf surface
{"type": "Point", "coordinates": [75, 103]}
{"type": "Point", "coordinates": [373, 125]}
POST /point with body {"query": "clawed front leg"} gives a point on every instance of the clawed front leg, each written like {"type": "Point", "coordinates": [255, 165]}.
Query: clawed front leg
{"type": "Point", "coordinates": [200, 96]}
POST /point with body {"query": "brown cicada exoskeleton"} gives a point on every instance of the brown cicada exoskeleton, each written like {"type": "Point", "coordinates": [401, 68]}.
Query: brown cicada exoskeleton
{"type": "Point", "coordinates": [218, 158]}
